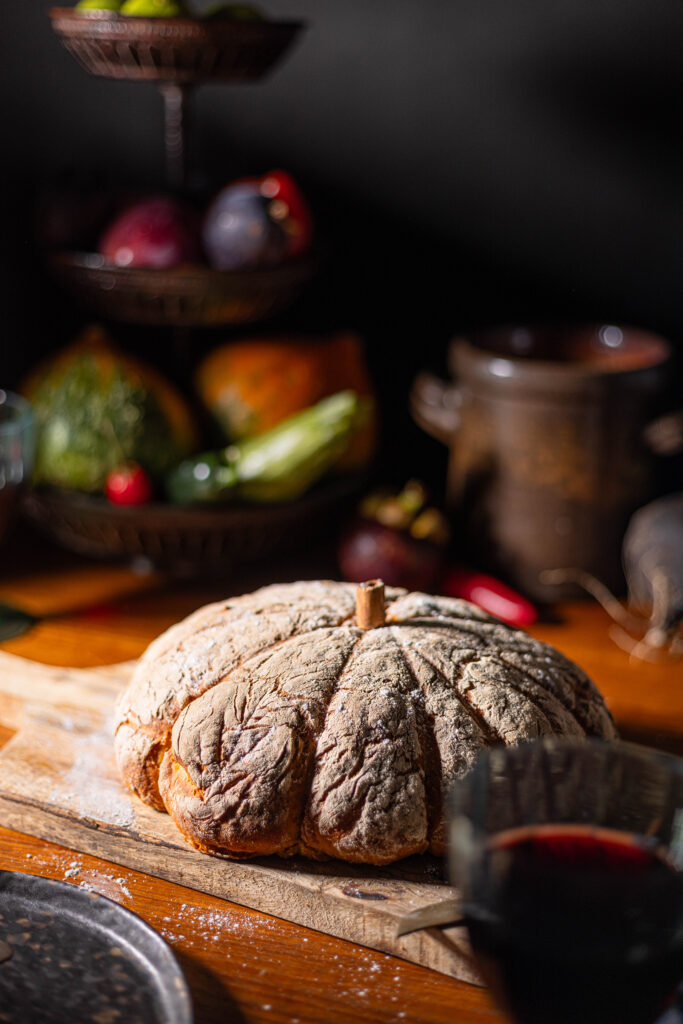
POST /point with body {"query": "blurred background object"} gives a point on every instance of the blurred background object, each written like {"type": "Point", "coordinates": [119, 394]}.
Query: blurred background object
{"type": "Point", "coordinates": [396, 537]}
{"type": "Point", "coordinates": [549, 456]}
{"type": "Point", "coordinates": [466, 166]}
{"type": "Point", "coordinates": [97, 409]}
{"type": "Point", "coordinates": [249, 386]}
{"type": "Point", "coordinates": [498, 163]}
{"type": "Point", "coordinates": [650, 627]}
{"type": "Point", "coordinates": [17, 448]}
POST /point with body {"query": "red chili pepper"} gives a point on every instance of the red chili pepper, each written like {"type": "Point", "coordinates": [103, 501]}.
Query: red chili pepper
{"type": "Point", "coordinates": [105, 611]}
{"type": "Point", "coordinates": [128, 485]}
{"type": "Point", "coordinates": [490, 594]}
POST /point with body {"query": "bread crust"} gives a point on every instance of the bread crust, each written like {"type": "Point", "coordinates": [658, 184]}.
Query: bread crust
{"type": "Point", "coordinates": [273, 724]}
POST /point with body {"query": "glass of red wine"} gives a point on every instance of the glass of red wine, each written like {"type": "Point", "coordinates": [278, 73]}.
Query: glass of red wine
{"type": "Point", "coordinates": [569, 858]}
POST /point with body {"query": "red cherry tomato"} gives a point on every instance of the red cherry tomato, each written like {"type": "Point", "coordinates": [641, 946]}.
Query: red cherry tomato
{"type": "Point", "coordinates": [128, 485]}
{"type": "Point", "coordinates": [490, 594]}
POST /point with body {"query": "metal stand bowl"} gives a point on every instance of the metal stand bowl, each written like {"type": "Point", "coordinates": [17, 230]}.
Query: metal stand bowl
{"type": "Point", "coordinates": [181, 50]}
{"type": "Point", "coordinates": [190, 295]}
{"type": "Point", "coordinates": [190, 540]}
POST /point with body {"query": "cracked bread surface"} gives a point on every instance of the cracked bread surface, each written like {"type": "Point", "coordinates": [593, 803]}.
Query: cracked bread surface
{"type": "Point", "coordinates": [273, 724]}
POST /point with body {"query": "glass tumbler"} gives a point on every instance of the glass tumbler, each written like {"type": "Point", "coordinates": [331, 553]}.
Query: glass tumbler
{"type": "Point", "coordinates": [568, 855]}
{"type": "Point", "coordinates": [17, 450]}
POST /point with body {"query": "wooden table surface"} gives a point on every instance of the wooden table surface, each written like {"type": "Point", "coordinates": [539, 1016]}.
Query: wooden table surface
{"type": "Point", "coordinates": [243, 966]}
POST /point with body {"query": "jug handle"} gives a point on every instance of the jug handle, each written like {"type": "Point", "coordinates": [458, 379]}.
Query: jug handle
{"type": "Point", "coordinates": [434, 406]}
{"type": "Point", "coordinates": [664, 435]}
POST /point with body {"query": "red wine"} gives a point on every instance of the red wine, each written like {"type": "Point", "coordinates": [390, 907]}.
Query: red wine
{"type": "Point", "coordinates": [574, 925]}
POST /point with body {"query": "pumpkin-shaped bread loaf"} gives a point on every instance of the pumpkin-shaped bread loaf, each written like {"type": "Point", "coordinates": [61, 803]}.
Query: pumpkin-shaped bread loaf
{"type": "Point", "coordinates": [292, 721]}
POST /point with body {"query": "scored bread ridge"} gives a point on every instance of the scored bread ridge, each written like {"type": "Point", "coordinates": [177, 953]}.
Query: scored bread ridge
{"type": "Point", "coordinates": [271, 723]}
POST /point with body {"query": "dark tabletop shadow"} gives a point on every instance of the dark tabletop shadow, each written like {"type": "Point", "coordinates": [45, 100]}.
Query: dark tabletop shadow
{"type": "Point", "coordinates": [211, 997]}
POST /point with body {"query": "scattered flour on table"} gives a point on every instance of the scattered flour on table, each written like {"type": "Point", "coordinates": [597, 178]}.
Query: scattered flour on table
{"type": "Point", "coordinates": [356, 973]}
{"type": "Point", "coordinates": [212, 925]}
{"type": "Point", "coordinates": [98, 881]}
{"type": "Point", "coordinates": [87, 788]}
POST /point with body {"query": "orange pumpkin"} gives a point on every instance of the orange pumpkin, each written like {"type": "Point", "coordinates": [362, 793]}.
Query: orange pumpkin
{"type": "Point", "coordinates": [252, 385]}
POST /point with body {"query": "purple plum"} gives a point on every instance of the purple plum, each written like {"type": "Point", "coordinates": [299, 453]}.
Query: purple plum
{"type": "Point", "coordinates": [238, 232]}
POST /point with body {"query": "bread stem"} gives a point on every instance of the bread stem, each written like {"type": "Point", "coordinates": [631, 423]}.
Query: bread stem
{"type": "Point", "coordinates": [370, 611]}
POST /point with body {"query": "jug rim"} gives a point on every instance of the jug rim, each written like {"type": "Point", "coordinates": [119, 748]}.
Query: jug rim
{"type": "Point", "coordinates": [585, 352]}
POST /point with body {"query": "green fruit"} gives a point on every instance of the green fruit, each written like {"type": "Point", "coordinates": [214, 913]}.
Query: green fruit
{"type": "Point", "coordinates": [280, 465]}
{"type": "Point", "coordinates": [97, 409]}
{"type": "Point", "coordinates": [234, 12]}
{"type": "Point", "coordinates": [154, 9]}
{"type": "Point", "coordinates": [99, 5]}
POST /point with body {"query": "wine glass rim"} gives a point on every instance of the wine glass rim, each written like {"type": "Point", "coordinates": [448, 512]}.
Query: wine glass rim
{"type": "Point", "coordinates": [22, 409]}
{"type": "Point", "coordinates": [579, 744]}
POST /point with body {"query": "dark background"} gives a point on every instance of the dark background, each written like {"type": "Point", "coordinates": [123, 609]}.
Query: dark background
{"type": "Point", "coordinates": [471, 162]}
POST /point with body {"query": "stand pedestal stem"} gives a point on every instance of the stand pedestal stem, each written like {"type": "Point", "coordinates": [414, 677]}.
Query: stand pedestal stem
{"type": "Point", "coordinates": [176, 105]}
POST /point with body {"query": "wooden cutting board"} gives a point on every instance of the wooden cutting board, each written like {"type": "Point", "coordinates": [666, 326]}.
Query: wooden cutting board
{"type": "Point", "coordinates": [58, 781]}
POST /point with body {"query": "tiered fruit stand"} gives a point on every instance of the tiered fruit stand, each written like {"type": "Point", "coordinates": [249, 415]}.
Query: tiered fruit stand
{"type": "Point", "coordinates": [179, 54]}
